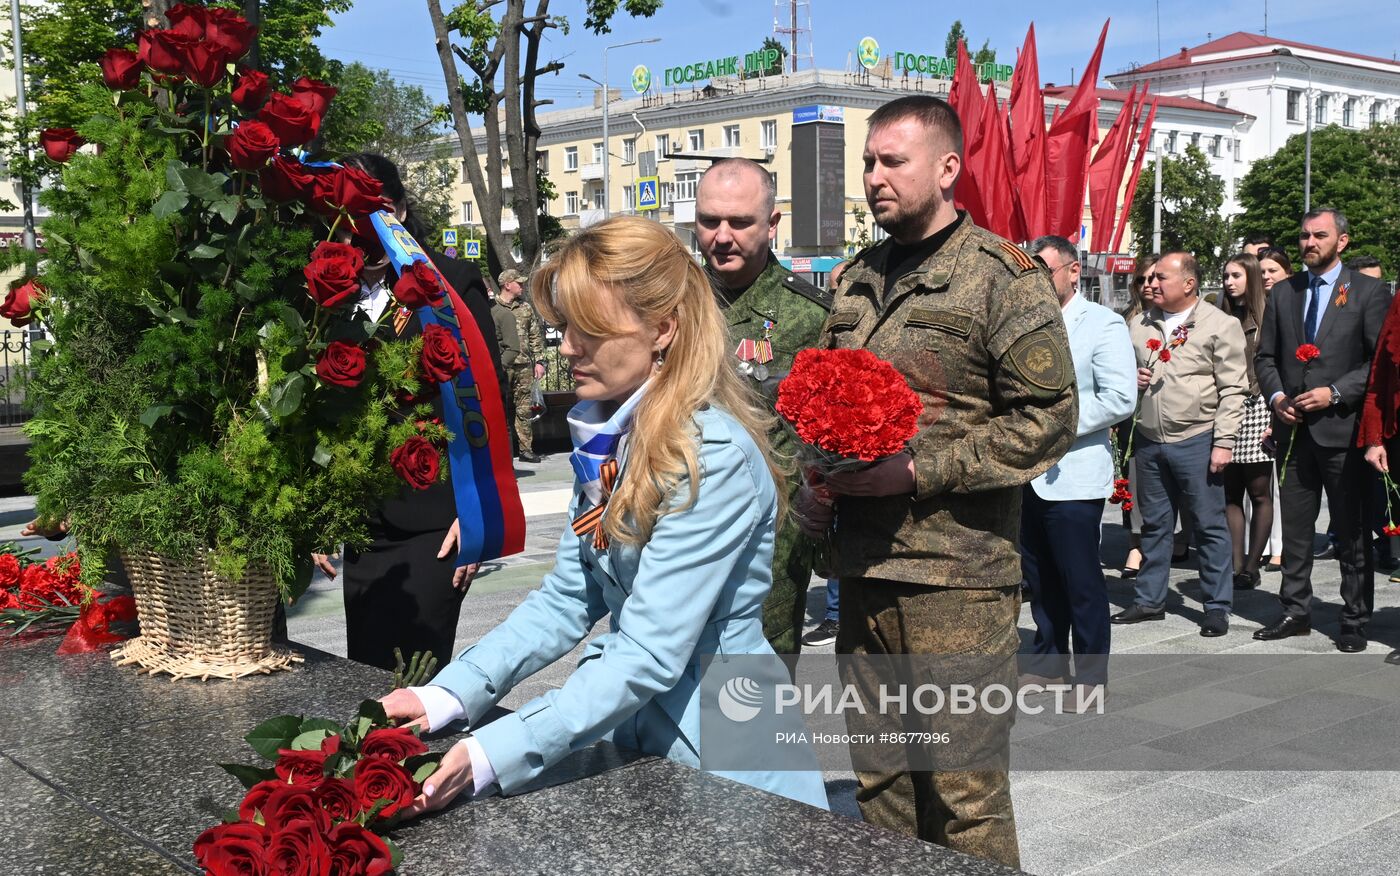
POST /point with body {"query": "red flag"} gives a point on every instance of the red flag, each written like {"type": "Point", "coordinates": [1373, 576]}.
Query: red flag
{"type": "Point", "coordinates": [993, 160]}
{"type": "Point", "coordinates": [1072, 137]}
{"type": "Point", "coordinates": [1144, 140]}
{"type": "Point", "coordinates": [1027, 118]}
{"type": "Point", "coordinates": [1106, 171]}
{"type": "Point", "coordinates": [965, 97]}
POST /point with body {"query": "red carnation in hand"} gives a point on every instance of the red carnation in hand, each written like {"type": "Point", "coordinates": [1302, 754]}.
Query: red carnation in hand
{"type": "Point", "coordinates": [19, 303]}
{"type": "Point", "coordinates": [356, 851]}
{"type": "Point", "coordinates": [60, 143]}
{"type": "Point", "coordinates": [252, 90]}
{"type": "Point", "coordinates": [1165, 356]}
{"type": "Point", "coordinates": [290, 120]}
{"type": "Point", "coordinates": [331, 281]}
{"type": "Point", "coordinates": [341, 364]}
{"type": "Point", "coordinates": [441, 358]}
{"type": "Point", "coordinates": [1154, 344]}
{"type": "Point", "coordinates": [349, 189]}
{"type": "Point", "coordinates": [419, 286]}
{"type": "Point", "coordinates": [298, 848]}
{"type": "Point", "coordinates": [1306, 353]}
{"type": "Point", "coordinates": [394, 743]}
{"type": "Point", "coordinates": [251, 145]}
{"type": "Point", "coordinates": [300, 767]}
{"type": "Point", "coordinates": [121, 69]}
{"type": "Point", "coordinates": [849, 403]}
{"type": "Point", "coordinates": [285, 179]}
{"type": "Point", "coordinates": [237, 849]}
{"type": "Point", "coordinates": [314, 93]}
{"type": "Point", "coordinates": [378, 778]}
{"type": "Point", "coordinates": [417, 462]}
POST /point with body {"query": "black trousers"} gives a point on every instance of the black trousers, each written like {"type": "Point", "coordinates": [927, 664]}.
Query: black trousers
{"type": "Point", "coordinates": [398, 594]}
{"type": "Point", "coordinates": [1309, 471]}
{"type": "Point", "coordinates": [1060, 562]}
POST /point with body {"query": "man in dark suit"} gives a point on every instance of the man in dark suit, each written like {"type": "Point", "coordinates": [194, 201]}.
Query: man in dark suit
{"type": "Point", "coordinates": [1315, 405]}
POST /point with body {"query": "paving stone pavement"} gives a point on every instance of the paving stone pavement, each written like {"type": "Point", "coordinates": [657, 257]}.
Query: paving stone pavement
{"type": "Point", "coordinates": [1138, 820]}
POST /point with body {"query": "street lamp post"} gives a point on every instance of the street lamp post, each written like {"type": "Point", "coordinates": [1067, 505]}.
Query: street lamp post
{"type": "Point", "coordinates": [607, 98]}
{"type": "Point", "coordinates": [1311, 110]}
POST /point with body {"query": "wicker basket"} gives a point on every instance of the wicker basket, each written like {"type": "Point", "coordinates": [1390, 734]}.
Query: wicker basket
{"type": "Point", "coordinates": [196, 623]}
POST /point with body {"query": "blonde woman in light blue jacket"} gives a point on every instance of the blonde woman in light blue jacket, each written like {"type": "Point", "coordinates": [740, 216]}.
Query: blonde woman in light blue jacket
{"type": "Point", "coordinates": [671, 536]}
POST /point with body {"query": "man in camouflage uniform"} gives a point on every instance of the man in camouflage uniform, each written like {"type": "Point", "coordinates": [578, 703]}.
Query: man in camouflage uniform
{"type": "Point", "coordinates": [925, 541]}
{"type": "Point", "coordinates": [522, 352]}
{"type": "Point", "coordinates": [767, 307]}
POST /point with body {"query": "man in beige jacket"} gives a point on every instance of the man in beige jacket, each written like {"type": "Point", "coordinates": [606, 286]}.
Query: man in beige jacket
{"type": "Point", "coordinates": [1192, 383]}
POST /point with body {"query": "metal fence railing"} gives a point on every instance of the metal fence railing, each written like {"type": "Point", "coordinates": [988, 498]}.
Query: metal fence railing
{"type": "Point", "coordinates": [558, 377]}
{"type": "Point", "coordinates": [14, 366]}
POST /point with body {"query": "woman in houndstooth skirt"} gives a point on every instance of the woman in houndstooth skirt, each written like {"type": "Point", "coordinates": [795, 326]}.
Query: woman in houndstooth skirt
{"type": "Point", "coordinates": [1251, 469]}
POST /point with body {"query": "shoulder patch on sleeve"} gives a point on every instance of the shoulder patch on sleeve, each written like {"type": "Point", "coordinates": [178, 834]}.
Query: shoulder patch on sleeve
{"type": "Point", "coordinates": [1042, 361]}
{"type": "Point", "coordinates": [1016, 256]}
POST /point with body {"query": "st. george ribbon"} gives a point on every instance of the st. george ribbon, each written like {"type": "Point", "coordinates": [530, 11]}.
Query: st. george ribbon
{"type": "Point", "coordinates": [489, 513]}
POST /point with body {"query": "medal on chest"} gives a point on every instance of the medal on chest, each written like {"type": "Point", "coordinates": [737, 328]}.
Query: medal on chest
{"type": "Point", "coordinates": [755, 354]}
{"type": "Point", "coordinates": [401, 318]}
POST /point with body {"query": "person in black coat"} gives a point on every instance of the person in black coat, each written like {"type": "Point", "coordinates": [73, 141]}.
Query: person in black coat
{"type": "Point", "coordinates": [404, 589]}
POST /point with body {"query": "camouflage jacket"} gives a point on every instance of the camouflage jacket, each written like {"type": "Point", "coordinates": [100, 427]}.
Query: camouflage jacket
{"type": "Point", "coordinates": [797, 310]}
{"type": "Point", "coordinates": [518, 332]}
{"type": "Point", "coordinates": [977, 332]}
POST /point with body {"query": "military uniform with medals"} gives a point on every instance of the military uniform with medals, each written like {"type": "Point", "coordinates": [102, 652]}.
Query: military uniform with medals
{"type": "Point", "coordinates": [777, 316]}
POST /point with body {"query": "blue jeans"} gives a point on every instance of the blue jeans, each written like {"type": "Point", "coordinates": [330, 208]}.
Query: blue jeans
{"type": "Point", "coordinates": [833, 599]}
{"type": "Point", "coordinates": [1173, 476]}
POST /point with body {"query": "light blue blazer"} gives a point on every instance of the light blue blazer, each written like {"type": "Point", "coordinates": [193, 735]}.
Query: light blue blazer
{"type": "Point", "coordinates": [1106, 372]}
{"type": "Point", "coordinates": [696, 588]}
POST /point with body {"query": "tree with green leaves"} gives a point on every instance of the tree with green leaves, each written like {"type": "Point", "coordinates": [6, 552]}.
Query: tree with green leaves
{"type": "Point", "coordinates": [1355, 171]}
{"type": "Point", "coordinates": [956, 34]}
{"type": "Point", "coordinates": [770, 44]}
{"type": "Point", "coordinates": [1192, 198]}
{"type": "Point", "coordinates": [500, 44]}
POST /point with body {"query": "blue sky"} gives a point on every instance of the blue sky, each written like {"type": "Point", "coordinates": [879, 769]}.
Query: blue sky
{"type": "Point", "coordinates": [397, 35]}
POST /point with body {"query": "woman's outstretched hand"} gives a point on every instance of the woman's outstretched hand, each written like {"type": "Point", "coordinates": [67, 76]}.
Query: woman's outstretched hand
{"type": "Point", "coordinates": [452, 777]}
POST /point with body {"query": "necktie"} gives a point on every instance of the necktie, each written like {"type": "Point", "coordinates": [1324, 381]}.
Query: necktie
{"type": "Point", "coordinates": [1314, 302]}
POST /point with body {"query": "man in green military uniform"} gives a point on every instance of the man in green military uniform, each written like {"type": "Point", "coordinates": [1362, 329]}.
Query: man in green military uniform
{"type": "Point", "coordinates": [772, 315]}
{"type": "Point", "coordinates": [925, 541]}
{"type": "Point", "coordinates": [522, 352]}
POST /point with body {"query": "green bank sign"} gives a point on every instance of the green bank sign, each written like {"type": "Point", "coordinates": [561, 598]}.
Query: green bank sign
{"type": "Point", "coordinates": [868, 53]}
{"type": "Point", "coordinates": [729, 65]}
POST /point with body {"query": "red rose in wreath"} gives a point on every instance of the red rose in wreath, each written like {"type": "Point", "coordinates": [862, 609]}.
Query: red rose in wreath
{"type": "Point", "coordinates": [417, 462]}
{"type": "Point", "coordinates": [442, 357]}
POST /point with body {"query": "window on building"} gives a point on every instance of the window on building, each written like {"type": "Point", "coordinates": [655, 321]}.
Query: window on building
{"type": "Point", "coordinates": [1349, 112]}
{"type": "Point", "coordinates": [1320, 113]}
{"type": "Point", "coordinates": [1215, 145]}
{"type": "Point", "coordinates": [685, 186]}
{"type": "Point", "coordinates": [1196, 140]}
{"type": "Point", "coordinates": [695, 139]}
{"type": "Point", "coordinates": [1237, 149]}
{"type": "Point", "coordinates": [768, 136]}
{"type": "Point", "coordinates": [1375, 113]}
{"type": "Point", "coordinates": [1295, 103]}
{"type": "Point", "coordinates": [465, 179]}
{"type": "Point", "coordinates": [597, 153]}
{"type": "Point", "coordinates": [666, 194]}
{"type": "Point", "coordinates": [467, 213]}
{"type": "Point", "coordinates": [731, 136]}
{"type": "Point", "coordinates": [571, 203]}
{"type": "Point", "coordinates": [663, 145]}
{"type": "Point", "coordinates": [571, 158]}
{"type": "Point", "coordinates": [629, 198]}
{"type": "Point", "coordinates": [1171, 142]}
{"type": "Point", "coordinates": [629, 150]}
{"type": "Point", "coordinates": [773, 174]}
{"type": "Point", "coordinates": [542, 161]}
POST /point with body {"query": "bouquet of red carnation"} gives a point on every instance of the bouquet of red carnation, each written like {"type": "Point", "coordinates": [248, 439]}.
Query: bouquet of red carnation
{"type": "Point", "coordinates": [38, 592]}
{"type": "Point", "coordinates": [322, 806]}
{"type": "Point", "coordinates": [849, 408]}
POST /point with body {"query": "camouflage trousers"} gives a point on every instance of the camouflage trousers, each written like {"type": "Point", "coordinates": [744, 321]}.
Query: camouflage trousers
{"type": "Point", "coordinates": [785, 609]}
{"type": "Point", "coordinates": [521, 377]}
{"type": "Point", "coordinates": [968, 811]}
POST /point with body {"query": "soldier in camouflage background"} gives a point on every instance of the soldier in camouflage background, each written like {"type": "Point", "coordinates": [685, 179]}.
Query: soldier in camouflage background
{"type": "Point", "coordinates": [522, 352]}
{"type": "Point", "coordinates": [925, 541]}
{"type": "Point", "coordinates": [770, 311]}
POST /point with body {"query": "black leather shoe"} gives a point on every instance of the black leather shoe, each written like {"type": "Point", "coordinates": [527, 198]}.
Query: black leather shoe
{"type": "Point", "coordinates": [1135, 614]}
{"type": "Point", "coordinates": [1217, 623]}
{"type": "Point", "coordinates": [1287, 626]}
{"type": "Point", "coordinates": [529, 457]}
{"type": "Point", "coordinates": [1352, 640]}
{"type": "Point", "coordinates": [1246, 580]}
{"type": "Point", "coordinates": [1327, 552]}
